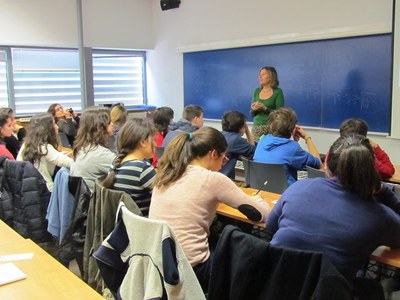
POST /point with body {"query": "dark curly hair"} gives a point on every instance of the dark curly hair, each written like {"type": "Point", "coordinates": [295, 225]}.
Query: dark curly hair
{"type": "Point", "coordinates": [40, 132]}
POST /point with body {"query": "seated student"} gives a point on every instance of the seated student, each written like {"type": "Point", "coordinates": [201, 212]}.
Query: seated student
{"type": "Point", "coordinates": [346, 216]}
{"type": "Point", "coordinates": [13, 142]}
{"type": "Point", "coordinates": [66, 119]}
{"type": "Point", "coordinates": [92, 158]}
{"type": "Point", "coordinates": [119, 114]}
{"type": "Point", "coordinates": [188, 188]}
{"type": "Point", "coordinates": [192, 119]}
{"type": "Point", "coordinates": [40, 147]}
{"type": "Point", "coordinates": [277, 147]}
{"type": "Point", "coordinates": [382, 160]}
{"type": "Point", "coordinates": [162, 119]}
{"type": "Point", "coordinates": [6, 131]}
{"type": "Point", "coordinates": [233, 127]}
{"type": "Point", "coordinates": [131, 172]}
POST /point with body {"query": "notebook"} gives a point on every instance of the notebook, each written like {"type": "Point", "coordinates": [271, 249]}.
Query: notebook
{"type": "Point", "coordinates": [10, 273]}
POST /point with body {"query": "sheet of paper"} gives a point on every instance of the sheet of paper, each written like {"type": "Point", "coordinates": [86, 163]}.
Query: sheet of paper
{"type": "Point", "coordinates": [10, 273]}
{"type": "Point", "coordinates": [11, 257]}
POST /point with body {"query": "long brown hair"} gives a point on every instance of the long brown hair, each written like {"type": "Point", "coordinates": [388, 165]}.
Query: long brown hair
{"type": "Point", "coordinates": [40, 132]}
{"type": "Point", "coordinates": [132, 133]}
{"type": "Point", "coordinates": [351, 159]}
{"type": "Point", "coordinates": [162, 119]}
{"type": "Point", "coordinates": [92, 129]}
{"type": "Point", "coordinates": [183, 149]}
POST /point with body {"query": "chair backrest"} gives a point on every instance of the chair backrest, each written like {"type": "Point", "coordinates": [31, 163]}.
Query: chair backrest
{"type": "Point", "coordinates": [159, 151]}
{"type": "Point", "coordinates": [256, 174]}
{"type": "Point", "coordinates": [64, 139]}
{"type": "Point", "coordinates": [394, 187]}
{"type": "Point", "coordinates": [314, 173]}
{"type": "Point", "coordinates": [154, 260]}
{"type": "Point", "coordinates": [282, 273]}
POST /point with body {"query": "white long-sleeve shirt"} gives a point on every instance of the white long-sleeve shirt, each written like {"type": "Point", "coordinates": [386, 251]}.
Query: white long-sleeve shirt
{"type": "Point", "coordinates": [190, 204]}
{"type": "Point", "coordinates": [48, 163]}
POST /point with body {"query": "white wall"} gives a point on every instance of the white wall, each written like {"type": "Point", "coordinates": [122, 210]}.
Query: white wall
{"type": "Point", "coordinates": [118, 24]}
{"type": "Point", "coordinates": [38, 23]}
{"type": "Point", "coordinates": [209, 24]}
{"type": "Point", "coordinates": [106, 24]}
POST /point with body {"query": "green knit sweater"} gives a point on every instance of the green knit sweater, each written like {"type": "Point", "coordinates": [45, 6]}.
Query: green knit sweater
{"type": "Point", "coordinates": [274, 102]}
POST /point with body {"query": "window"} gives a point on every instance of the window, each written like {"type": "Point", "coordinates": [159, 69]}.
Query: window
{"type": "Point", "coordinates": [3, 79]}
{"type": "Point", "coordinates": [39, 77]}
{"type": "Point", "coordinates": [118, 76]}
{"type": "Point", "coordinates": [45, 76]}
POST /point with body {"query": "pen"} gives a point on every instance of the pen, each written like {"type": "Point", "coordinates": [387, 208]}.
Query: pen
{"type": "Point", "coordinates": [259, 190]}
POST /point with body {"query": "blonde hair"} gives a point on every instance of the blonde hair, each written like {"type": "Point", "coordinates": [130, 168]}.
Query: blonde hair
{"type": "Point", "coordinates": [119, 114]}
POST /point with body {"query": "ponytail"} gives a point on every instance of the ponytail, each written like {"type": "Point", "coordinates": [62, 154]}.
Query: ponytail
{"type": "Point", "coordinates": [352, 160]}
{"type": "Point", "coordinates": [109, 181]}
{"type": "Point", "coordinates": [129, 137]}
{"type": "Point", "coordinates": [183, 149]}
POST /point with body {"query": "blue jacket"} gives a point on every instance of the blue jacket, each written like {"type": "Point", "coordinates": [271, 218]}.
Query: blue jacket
{"type": "Point", "coordinates": [182, 125]}
{"type": "Point", "coordinates": [277, 150]}
{"type": "Point", "coordinates": [237, 146]}
{"type": "Point", "coordinates": [61, 207]}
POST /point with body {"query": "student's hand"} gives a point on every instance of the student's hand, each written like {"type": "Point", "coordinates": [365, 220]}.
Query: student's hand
{"type": "Point", "coordinates": [296, 137]}
{"type": "Point", "coordinates": [67, 113]}
{"type": "Point", "coordinates": [299, 132]}
{"type": "Point", "coordinates": [258, 198]}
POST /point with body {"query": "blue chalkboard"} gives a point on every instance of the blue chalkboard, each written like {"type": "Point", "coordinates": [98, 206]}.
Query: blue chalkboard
{"type": "Point", "coordinates": [324, 81]}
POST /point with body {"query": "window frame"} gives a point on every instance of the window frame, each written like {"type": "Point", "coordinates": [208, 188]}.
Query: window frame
{"type": "Point", "coordinates": [84, 101]}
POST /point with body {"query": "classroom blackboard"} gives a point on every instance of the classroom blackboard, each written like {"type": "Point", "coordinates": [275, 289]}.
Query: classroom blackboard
{"type": "Point", "coordinates": [324, 81]}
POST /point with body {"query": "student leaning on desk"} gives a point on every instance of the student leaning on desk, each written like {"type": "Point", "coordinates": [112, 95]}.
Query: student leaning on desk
{"type": "Point", "coordinates": [188, 189]}
{"type": "Point", "coordinates": [346, 217]}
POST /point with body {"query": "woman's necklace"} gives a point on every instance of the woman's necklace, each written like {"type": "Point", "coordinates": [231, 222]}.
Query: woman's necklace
{"type": "Point", "coordinates": [267, 90]}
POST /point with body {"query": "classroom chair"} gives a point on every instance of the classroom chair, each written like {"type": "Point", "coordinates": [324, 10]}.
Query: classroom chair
{"type": "Point", "coordinates": [246, 267]}
{"type": "Point", "coordinates": [101, 214]}
{"type": "Point", "coordinates": [314, 173]}
{"type": "Point", "coordinates": [159, 152]}
{"type": "Point", "coordinates": [67, 215]}
{"type": "Point", "coordinates": [157, 268]}
{"type": "Point", "coordinates": [256, 174]}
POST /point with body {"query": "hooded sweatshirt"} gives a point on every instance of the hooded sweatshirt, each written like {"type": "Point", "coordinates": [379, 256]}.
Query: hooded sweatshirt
{"type": "Point", "coordinates": [279, 150]}
{"type": "Point", "coordinates": [176, 128]}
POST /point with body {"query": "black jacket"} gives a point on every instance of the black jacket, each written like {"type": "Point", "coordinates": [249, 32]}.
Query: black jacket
{"type": "Point", "coordinates": [24, 199]}
{"type": "Point", "coordinates": [245, 267]}
{"type": "Point", "coordinates": [71, 246]}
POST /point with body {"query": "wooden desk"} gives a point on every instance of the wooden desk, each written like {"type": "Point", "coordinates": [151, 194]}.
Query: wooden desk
{"type": "Point", "coordinates": [8, 235]}
{"type": "Point", "coordinates": [67, 151]}
{"type": "Point", "coordinates": [396, 177]}
{"type": "Point", "coordinates": [233, 213]}
{"type": "Point", "coordinates": [46, 277]}
{"type": "Point", "coordinates": [390, 257]}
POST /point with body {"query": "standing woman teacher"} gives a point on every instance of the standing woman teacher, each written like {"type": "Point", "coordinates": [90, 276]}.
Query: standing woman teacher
{"type": "Point", "coordinates": [266, 98]}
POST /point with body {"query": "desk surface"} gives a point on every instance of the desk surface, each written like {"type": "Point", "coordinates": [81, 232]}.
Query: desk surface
{"type": "Point", "coordinates": [233, 213]}
{"type": "Point", "coordinates": [8, 235]}
{"type": "Point", "coordinates": [387, 256]}
{"type": "Point", "coordinates": [46, 277]}
{"type": "Point", "coordinates": [396, 177]}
